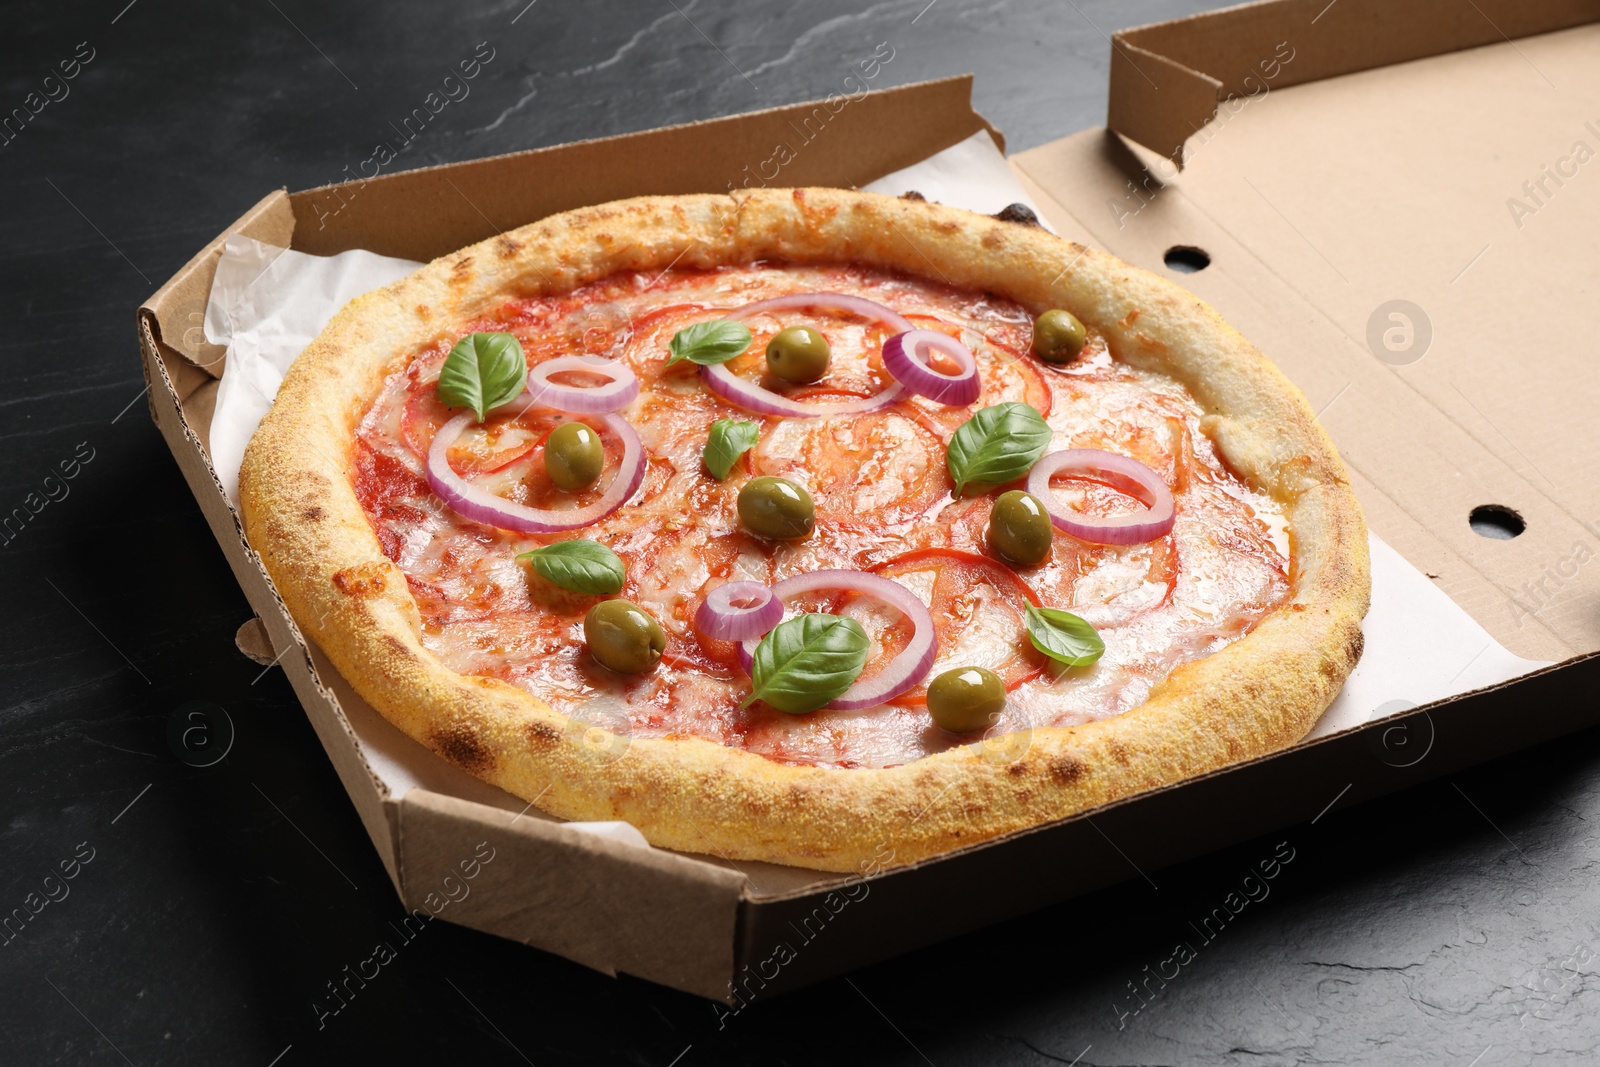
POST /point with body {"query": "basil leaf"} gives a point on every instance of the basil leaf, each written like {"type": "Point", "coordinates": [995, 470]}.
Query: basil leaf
{"type": "Point", "coordinates": [729, 440]}
{"type": "Point", "coordinates": [483, 371]}
{"type": "Point", "coordinates": [705, 343]}
{"type": "Point", "coordinates": [580, 565]}
{"type": "Point", "coordinates": [806, 662]}
{"type": "Point", "coordinates": [997, 445]}
{"type": "Point", "coordinates": [1063, 636]}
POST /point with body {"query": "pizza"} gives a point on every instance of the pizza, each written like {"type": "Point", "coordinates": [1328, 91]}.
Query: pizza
{"type": "Point", "coordinates": [809, 526]}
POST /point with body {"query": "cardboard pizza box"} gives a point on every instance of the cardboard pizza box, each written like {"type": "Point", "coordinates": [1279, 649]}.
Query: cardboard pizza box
{"type": "Point", "coordinates": [1344, 164]}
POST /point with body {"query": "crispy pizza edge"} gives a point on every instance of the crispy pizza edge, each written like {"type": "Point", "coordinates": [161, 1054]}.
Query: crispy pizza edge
{"type": "Point", "coordinates": [1260, 694]}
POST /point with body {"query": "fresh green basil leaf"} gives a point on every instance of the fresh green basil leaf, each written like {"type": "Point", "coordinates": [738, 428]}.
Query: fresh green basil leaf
{"type": "Point", "coordinates": [807, 661]}
{"type": "Point", "coordinates": [1063, 636]}
{"type": "Point", "coordinates": [580, 565]}
{"type": "Point", "coordinates": [483, 371]}
{"type": "Point", "coordinates": [997, 445]}
{"type": "Point", "coordinates": [705, 343]}
{"type": "Point", "coordinates": [729, 440]}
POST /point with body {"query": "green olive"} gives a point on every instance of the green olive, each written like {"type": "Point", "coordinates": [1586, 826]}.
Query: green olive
{"type": "Point", "coordinates": [966, 699]}
{"type": "Point", "coordinates": [574, 456]}
{"type": "Point", "coordinates": [798, 354]}
{"type": "Point", "coordinates": [776, 507]}
{"type": "Point", "coordinates": [1019, 528]}
{"type": "Point", "coordinates": [1058, 336]}
{"type": "Point", "coordinates": [623, 637]}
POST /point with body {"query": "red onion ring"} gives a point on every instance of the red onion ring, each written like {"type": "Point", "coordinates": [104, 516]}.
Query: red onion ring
{"type": "Point", "coordinates": [905, 670]}
{"type": "Point", "coordinates": [843, 302]}
{"type": "Point", "coordinates": [580, 399]}
{"type": "Point", "coordinates": [762, 401]}
{"type": "Point", "coordinates": [1121, 472]}
{"type": "Point", "coordinates": [479, 505]}
{"type": "Point", "coordinates": [738, 611]}
{"type": "Point", "coordinates": [900, 354]}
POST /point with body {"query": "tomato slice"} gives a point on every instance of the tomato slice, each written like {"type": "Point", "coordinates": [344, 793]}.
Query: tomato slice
{"type": "Point", "coordinates": [499, 442]}
{"type": "Point", "coordinates": [670, 572]}
{"type": "Point", "coordinates": [493, 446]}
{"type": "Point", "coordinates": [977, 606]}
{"type": "Point", "coordinates": [884, 467]}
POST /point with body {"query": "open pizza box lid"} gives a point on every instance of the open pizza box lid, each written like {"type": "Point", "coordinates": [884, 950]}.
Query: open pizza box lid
{"type": "Point", "coordinates": [1364, 181]}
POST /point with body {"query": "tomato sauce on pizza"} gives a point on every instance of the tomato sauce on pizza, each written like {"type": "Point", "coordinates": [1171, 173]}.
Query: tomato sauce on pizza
{"type": "Point", "coordinates": [885, 504]}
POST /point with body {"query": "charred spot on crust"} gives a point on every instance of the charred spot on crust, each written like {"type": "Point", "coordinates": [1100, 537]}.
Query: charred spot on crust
{"type": "Point", "coordinates": [312, 514]}
{"type": "Point", "coordinates": [542, 735]}
{"type": "Point", "coordinates": [1066, 769]}
{"type": "Point", "coordinates": [461, 268]}
{"type": "Point", "coordinates": [395, 645]}
{"type": "Point", "coordinates": [1021, 214]}
{"type": "Point", "coordinates": [912, 194]}
{"type": "Point", "coordinates": [463, 746]}
{"type": "Point", "coordinates": [362, 580]}
{"type": "Point", "coordinates": [599, 213]}
{"type": "Point", "coordinates": [507, 246]}
{"type": "Point", "coordinates": [1334, 668]}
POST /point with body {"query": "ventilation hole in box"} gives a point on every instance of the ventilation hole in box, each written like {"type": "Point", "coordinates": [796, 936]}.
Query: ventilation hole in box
{"type": "Point", "coordinates": [1496, 521]}
{"type": "Point", "coordinates": [1187, 259]}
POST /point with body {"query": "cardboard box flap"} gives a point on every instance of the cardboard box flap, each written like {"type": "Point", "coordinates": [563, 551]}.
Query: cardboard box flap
{"type": "Point", "coordinates": [843, 140]}
{"type": "Point", "coordinates": [611, 906]}
{"type": "Point", "coordinates": [1168, 78]}
{"type": "Point", "coordinates": [1372, 293]}
{"type": "Point", "coordinates": [178, 309]}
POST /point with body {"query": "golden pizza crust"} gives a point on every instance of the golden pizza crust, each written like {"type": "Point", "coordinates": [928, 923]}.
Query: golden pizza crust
{"type": "Point", "coordinates": [1260, 694]}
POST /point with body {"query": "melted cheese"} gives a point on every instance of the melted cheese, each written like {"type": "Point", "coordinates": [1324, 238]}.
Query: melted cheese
{"type": "Point", "coordinates": [881, 492]}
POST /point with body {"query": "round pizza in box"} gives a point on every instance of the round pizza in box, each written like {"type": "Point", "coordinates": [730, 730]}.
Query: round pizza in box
{"type": "Point", "coordinates": [810, 526]}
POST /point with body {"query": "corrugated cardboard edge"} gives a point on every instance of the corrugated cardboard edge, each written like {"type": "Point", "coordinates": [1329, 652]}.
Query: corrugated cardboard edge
{"type": "Point", "coordinates": [1168, 78]}
{"type": "Point", "coordinates": [557, 889]}
{"type": "Point", "coordinates": [431, 211]}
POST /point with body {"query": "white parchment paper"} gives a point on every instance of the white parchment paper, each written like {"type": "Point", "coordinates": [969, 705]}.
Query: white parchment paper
{"type": "Point", "coordinates": [269, 303]}
{"type": "Point", "coordinates": [266, 305]}
{"type": "Point", "coordinates": [972, 174]}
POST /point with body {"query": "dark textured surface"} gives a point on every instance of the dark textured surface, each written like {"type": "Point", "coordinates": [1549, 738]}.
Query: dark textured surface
{"type": "Point", "coordinates": [1425, 927]}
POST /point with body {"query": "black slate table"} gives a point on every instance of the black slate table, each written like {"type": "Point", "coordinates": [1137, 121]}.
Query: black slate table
{"type": "Point", "coordinates": [210, 905]}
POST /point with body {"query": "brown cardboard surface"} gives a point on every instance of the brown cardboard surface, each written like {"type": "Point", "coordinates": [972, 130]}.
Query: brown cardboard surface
{"type": "Point", "coordinates": [423, 214]}
{"type": "Point", "coordinates": [1168, 78]}
{"type": "Point", "coordinates": [706, 925]}
{"type": "Point", "coordinates": [668, 918]}
{"type": "Point", "coordinates": [1498, 411]}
